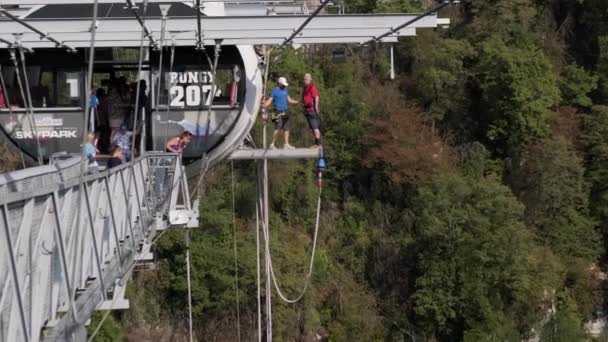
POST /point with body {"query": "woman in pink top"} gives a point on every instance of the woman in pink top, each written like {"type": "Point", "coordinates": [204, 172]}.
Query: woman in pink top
{"type": "Point", "coordinates": [178, 143]}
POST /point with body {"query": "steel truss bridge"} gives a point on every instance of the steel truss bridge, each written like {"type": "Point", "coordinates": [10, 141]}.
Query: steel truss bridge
{"type": "Point", "coordinates": [70, 239]}
{"type": "Point", "coordinates": [70, 242]}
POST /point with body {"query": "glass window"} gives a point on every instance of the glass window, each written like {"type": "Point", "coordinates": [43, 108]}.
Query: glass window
{"type": "Point", "coordinates": [48, 87]}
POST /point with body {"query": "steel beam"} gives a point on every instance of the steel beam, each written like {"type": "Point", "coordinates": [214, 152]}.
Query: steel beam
{"type": "Point", "coordinates": [260, 154]}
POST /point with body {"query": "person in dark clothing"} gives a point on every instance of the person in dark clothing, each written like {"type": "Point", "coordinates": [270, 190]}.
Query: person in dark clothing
{"type": "Point", "coordinates": [116, 158]}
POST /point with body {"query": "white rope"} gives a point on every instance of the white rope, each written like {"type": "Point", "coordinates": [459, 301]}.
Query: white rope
{"type": "Point", "coordinates": [312, 256]}
{"type": "Point", "coordinates": [189, 284]}
{"type": "Point", "coordinates": [258, 278]}
{"type": "Point", "coordinates": [236, 265]}
{"type": "Point", "coordinates": [312, 259]}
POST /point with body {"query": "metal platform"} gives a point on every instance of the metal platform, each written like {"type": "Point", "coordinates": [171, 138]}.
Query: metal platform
{"type": "Point", "coordinates": [279, 153]}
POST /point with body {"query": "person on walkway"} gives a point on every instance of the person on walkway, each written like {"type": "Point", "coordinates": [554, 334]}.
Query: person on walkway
{"type": "Point", "coordinates": [310, 100]}
{"type": "Point", "coordinates": [179, 143]}
{"type": "Point", "coordinates": [122, 137]}
{"type": "Point", "coordinates": [90, 152]}
{"type": "Point", "coordinates": [280, 117]}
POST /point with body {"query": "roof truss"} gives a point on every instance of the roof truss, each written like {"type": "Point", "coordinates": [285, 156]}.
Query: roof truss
{"type": "Point", "coordinates": [243, 30]}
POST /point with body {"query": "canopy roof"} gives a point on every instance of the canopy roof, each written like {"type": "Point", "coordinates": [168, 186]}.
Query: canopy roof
{"type": "Point", "coordinates": [69, 22]}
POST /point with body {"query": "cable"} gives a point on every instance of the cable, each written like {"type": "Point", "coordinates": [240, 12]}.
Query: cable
{"type": "Point", "coordinates": [408, 23]}
{"type": "Point", "coordinates": [189, 283]}
{"type": "Point", "coordinates": [160, 65]}
{"type": "Point", "coordinates": [236, 267]}
{"type": "Point", "coordinates": [31, 104]}
{"type": "Point", "coordinates": [43, 35]}
{"type": "Point", "coordinates": [312, 257]}
{"type": "Point", "coordinates": [142, 21]}
{"type": "Point", "coordinates": [310, 17]}
{"type": "Point", "coordinates": [167, 110]}
{"type": "Point", "coordinates": [139, 67]}
{"type": "Point", "coordinates": [28, 112]}
{"type": "Point", "coordinates": [10, 111]}
{"type": "Point", "coordinates": [257, 249]}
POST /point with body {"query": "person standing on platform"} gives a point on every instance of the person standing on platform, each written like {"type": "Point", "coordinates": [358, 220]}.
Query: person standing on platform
{"type": "Point", "coordinates": [280, 117]}
{"type": "Point", "coordinates": [310, 100]}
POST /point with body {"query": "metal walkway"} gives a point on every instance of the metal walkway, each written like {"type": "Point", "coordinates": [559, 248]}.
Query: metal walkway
{"type": "Point", "coordinates": [69, 243]}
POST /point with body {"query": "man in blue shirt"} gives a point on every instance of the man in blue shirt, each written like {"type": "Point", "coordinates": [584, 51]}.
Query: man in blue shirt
{"type": "Point", "coordinates": [281, 99]}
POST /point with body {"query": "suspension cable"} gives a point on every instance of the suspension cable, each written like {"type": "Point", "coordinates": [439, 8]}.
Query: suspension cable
{"type": "Point", "coordinates": [43, 35]}
{"type": "Point", "coordinates": [205, 162]}
{"type": "Point", "coordinates": [139, 67]}
{"type": "Point", "coordinates": [160, 66]}
{"type": "Point", "coordinates": [199, 31]}
{"type": "Point", "coordinates": [310, 17]}
{"type": "Point", "coordinates": [29, 114]}
{"type": "Point", "coordinates": [142, 20]}
{"type": "Point", "coordinates": [415, 19]}
{"type": "Point", "coordinates": [88, 87]}
{"type": "Point", "coordinates": [236, 265]}
{"type": "Point", "coordinates": [167, 110]}
{"type": "Point", "coordinates": [10, 111]}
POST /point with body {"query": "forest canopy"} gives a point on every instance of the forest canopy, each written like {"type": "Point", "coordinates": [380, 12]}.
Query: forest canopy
{"type": "Point", "coordinates": [465, 200]}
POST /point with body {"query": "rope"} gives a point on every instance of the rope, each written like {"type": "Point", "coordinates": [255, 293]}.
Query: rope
{"type": "Point", "coordinates": [160, 67]}
{"type": "Point", "coordinates": [312, 256]}
{"type": "Point", "coordinates": [10, 110]}
{"type": "Point", "coordinates": [236, 268]}
{"type": "Point", "coordinates": [139, 67]}
{"type": "Point", "coordinates": [189, 283]}
{"type": "Point", "coordinates": [257, 250]}
{"type": "Point", "coordinates": [103, 319]}
{"type": "Point", "coordinates": [31, 105]}
{"type": "Point", "coordinates": [172, 59]}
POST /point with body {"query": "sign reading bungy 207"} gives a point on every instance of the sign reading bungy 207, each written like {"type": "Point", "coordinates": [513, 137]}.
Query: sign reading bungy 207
{"type": "Point", "coordinates": [190, 89]}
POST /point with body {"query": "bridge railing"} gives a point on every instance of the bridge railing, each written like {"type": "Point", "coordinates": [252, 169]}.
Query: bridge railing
{"type": "Point", "coordinates": [68, 239]}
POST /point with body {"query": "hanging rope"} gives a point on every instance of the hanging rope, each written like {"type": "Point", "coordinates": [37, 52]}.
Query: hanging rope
{"type": "Point", "coordinates": [313, 252]}
{"type": "Point", "coordinates": [144, 34]}
{"type": "Point", "coordinates": [257, 250]}
{"type": "Point", "coordinates": [171, 61]}
{"type": "Point", "coordinates": [236, 265]}
{"type": "Point", "coordinates": [189, 283]}
{"type": "Point", "coordinates": [10, 111]}
{"type": "Point", "coordinates": [160, 68]}
{"type": "Point", "coordinates": [29, 113]}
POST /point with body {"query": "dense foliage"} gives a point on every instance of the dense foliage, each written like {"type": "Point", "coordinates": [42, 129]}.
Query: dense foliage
{"type": "Point", "coordinates": [465, 200]}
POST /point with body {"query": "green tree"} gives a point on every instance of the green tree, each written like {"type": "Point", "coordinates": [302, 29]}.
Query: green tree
{"type": "Point", "coordinates": [441, 76]}
{"type": "Point", "coordinates": [595, 140]}
{"type": "Point", "coordinates": [474, 258]}
{"type": "Point", "coordinates": [108, 332]}
{"type": "Point", "coordinates": [602, 67]}
{"type": "Point", "coordinates": [518, 87]}
{"type": "Point", "coordinates": [576, 84]}
{"type": "Point", "coordinates": [565, 325]}
{"type": "Point", "coordinates": [549, 179]}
